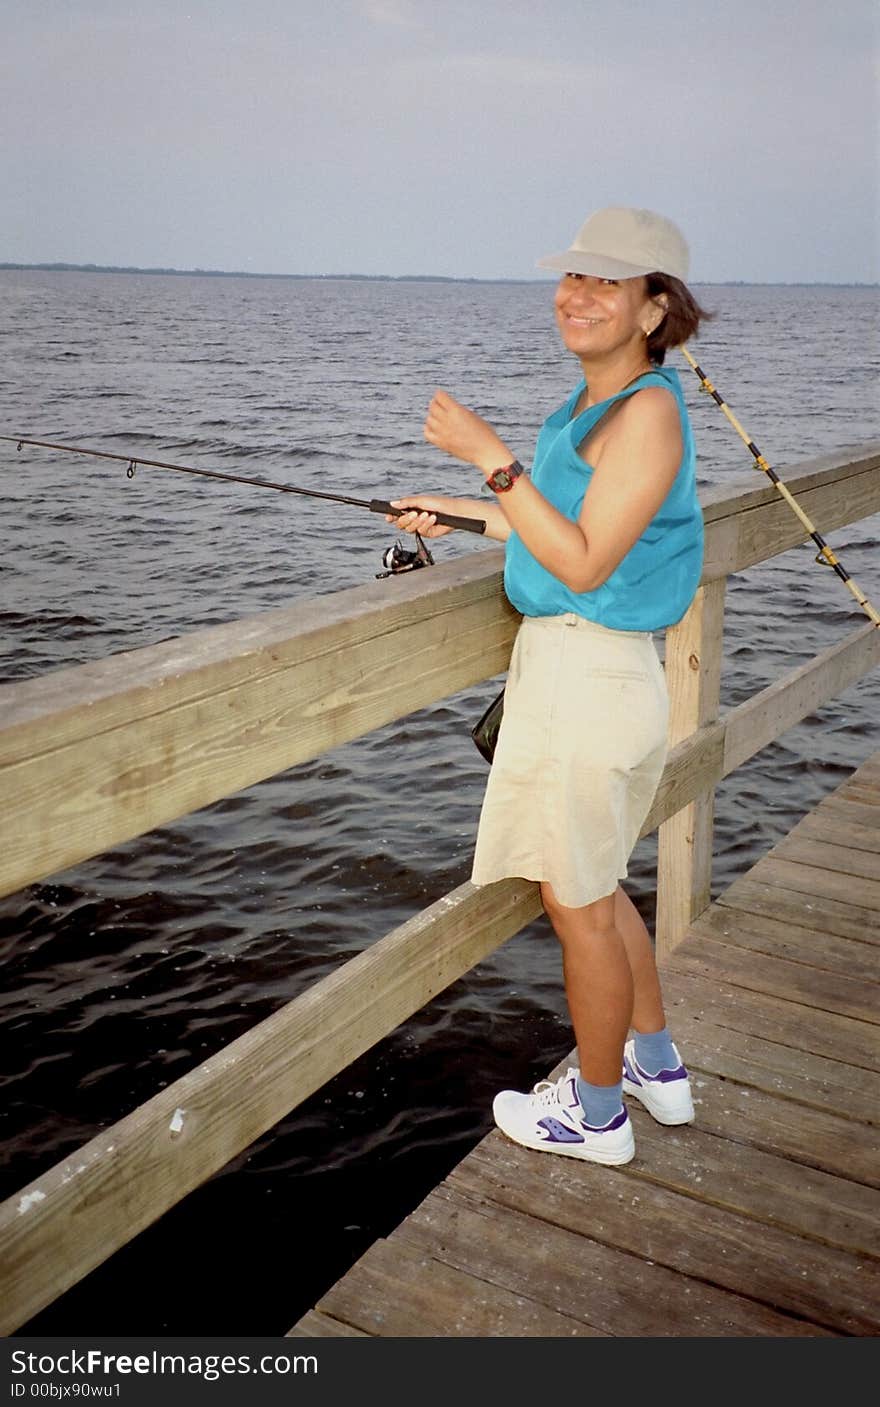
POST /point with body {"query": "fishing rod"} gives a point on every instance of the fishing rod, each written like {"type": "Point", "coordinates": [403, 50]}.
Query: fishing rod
{"type": "Point", "coordinates": [375, 505]}
{"type": "Point", "coordinates": [825, 556]}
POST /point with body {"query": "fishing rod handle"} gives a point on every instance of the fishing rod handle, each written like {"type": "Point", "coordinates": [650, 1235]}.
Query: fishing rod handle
{"type": "Point", "coordinates": [446, 520]}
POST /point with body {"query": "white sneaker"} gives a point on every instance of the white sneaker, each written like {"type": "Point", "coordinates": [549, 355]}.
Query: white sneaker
{"type": "Point", "coordinates": [551, 1118]}
{"type": "Point", "coordinates": [666, 1095]}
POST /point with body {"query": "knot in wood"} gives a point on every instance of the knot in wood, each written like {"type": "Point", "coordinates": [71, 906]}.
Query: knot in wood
{"type": "Point", "coordinates": [694, 661]}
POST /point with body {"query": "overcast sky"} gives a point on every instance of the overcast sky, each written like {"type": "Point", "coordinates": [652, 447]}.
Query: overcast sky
{"type": "Point", "coordinates": [454, 137]}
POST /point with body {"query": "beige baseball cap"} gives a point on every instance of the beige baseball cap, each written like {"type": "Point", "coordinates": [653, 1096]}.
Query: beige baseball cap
{"type": "Point", "coordinates": [620, 242]}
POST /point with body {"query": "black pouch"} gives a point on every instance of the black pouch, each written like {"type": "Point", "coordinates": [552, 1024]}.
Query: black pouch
{"type": "Point", "coordinates": [485, 731]}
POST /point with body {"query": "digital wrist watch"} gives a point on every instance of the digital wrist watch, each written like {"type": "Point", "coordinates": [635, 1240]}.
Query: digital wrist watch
{"type": "Point", "coordinates": [500, 480]}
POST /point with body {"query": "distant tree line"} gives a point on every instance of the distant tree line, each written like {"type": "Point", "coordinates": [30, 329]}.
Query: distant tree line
{"type": "Point", "coordinates": [380, 278]}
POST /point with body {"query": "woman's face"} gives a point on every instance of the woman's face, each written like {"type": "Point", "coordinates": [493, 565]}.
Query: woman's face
{"type": "Point", "coordinates": [598, 316]}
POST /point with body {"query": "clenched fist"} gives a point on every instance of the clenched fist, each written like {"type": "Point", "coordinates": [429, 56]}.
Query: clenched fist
{"type": "Point", "coordinates": [462, 433]}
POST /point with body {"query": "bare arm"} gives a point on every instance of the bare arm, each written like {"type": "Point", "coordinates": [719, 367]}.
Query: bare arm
{"type": "Point", "coordinates": [633, 474]}
{"type": "Point", "coordinates": [497, 526]}
{"type": "Point", "coordinates": [463, 434]}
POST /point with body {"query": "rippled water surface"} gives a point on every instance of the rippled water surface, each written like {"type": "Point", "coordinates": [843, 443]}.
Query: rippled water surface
{"type": "Point", "coordinates": [124, 973]}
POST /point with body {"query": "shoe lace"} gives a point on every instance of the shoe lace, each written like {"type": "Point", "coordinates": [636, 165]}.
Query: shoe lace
{"type": "Point", "coordinates": [550, 1091]}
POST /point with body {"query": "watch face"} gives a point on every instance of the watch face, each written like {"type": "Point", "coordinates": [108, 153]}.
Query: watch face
{"type": "Point", "coordinates": [504, 479]}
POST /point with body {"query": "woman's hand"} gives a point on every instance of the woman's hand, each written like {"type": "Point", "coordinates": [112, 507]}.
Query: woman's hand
{"type": "Point", "coordinates": [421, 521]}
{"type": "Point", "coordinates": [464, 434]}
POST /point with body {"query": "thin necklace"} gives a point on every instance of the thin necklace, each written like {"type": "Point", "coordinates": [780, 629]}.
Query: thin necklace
{"type": "Point", "coordinates": [637, 377]}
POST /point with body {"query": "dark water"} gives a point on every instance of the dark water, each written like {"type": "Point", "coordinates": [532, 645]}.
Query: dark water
{"type": "Point", "coordinates": [124, 973]}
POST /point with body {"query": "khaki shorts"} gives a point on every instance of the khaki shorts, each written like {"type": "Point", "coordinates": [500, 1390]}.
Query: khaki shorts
{"type": "Point", "coordinates": [581, 749]}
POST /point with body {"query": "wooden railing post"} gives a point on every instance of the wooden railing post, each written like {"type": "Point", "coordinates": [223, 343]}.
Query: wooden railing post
{"type": "Point", "coordinates": [684, 853]}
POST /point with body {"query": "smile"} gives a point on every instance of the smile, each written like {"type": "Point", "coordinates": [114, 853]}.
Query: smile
{"type": "Point", "coordinates": [583, 322]}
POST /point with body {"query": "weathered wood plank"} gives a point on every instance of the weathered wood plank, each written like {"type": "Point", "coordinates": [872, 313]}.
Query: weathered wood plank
{"type": "Point", "coordinates": [321, 1326]}
{"type": "Point", "coordinates": [758, 1063]}
{"type": "Point", "coordinates": [85, 1208]}
{"type": "Point", "coordinates": [837, 806]}
{"type": "Point", "coordinates": [843, 859]}
{"type": "Point", "coordinates": [742, 493]}
{"type": "Point", "coordinates": [759, 934]}
{"type": "Point", "coordinates": [795, 1024]}
{"type": "Point", "coordinates": [866, 792]}
{"type": "Point", "coordinates": [716, 749]}
{"type": "Point", "coordinates": [693, 674]}
{"type": "Point", "coordinates": [613, 1291]}
{"type": "Point", "coordinates": [754, 1183]}
{"type": "Point", "coordinates": [694, 1237]}
{"type": "Point", "coordinates": [799, 692]}
{"type": "Point", "coordinates": [817, 1138]}
{"type": "Point", "coordinates": [857, 892]}
{"type": "Point", "coordinates": [111, 750]}
{"type": "Point", "coordinates": [803, 909]}
{"type": "Point", "coordinates": [849, 500]}
{"type": "Point", "coordinates": [399, 1289]}
{"type": "Point", "coordinates": [60, 707]}
{"type": "Point", "coordinates": [777, 976]}
{"type": "Point", "coordinates": [834, 829]}
{"type": "Point", "coordinates": [750, 526]}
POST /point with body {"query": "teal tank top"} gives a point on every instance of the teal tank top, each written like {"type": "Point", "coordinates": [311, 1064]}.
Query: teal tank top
{"type": "Point", "coordinates": [654, 584]}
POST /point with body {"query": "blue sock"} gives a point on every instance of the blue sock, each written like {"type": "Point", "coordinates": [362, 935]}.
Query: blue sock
{"type": "Point", "coordinates": [600, 1102]}
{"type": "Point", "coordinates": [654, 1052]}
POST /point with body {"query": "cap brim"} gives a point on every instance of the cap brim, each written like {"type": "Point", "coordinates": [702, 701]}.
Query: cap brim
{"type": "Point", "coordinates": [576, 261]}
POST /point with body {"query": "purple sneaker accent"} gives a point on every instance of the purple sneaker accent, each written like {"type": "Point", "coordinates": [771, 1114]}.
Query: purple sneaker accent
{"type": "Point", "coordinates": [666, 1095]}
{"type": "Point", "coordinates": [560, 1133]}
{"type": "Point", "coordinates": [616, 1123]}
{"type": "Point", "coordinates": [666, 1077]}
{"type": "Point", "coordinates": [635, 1072]}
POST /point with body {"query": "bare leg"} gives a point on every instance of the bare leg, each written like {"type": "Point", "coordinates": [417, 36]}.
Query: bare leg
{"type": "Point", "coordinates": [647, 1013]}
{"type": "Point", "coordinates": [610, 979]}
{"type": "Point", "coordinates": [598, 983]}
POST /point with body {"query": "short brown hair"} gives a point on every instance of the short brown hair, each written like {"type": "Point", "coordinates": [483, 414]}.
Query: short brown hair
{"type": "Point", "coordinates": [683, 315]}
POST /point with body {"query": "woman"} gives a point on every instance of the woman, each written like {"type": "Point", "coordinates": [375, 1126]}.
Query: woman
{"type": "Point", "coordinates": [604, 545]}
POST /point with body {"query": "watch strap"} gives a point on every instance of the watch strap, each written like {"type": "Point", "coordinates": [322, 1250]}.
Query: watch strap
{"type": "Point", "coordinates": [500, 480]}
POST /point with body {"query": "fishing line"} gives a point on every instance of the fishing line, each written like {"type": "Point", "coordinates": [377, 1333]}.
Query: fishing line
{"type": "Point", "coordinates": [825, 556]}
{"type": "Point", "coordinates": [375, 505]}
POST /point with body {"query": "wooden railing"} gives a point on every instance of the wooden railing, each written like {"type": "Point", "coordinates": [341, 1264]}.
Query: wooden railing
{"type": "Point", "coordinates": [93, 756]}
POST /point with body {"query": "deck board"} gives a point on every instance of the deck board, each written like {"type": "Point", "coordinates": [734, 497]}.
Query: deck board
{"type": "Point", "coordinates": [755, 933]}
{"type": "Point", "coordinates": [827, 854]}
{"type": "Point", "coordinates": [829, 825]}
{"type": "Point", "coordinates": [759, 1063]}
{"type": "Point", "coordinates": [779, 976]}
{"type": "Point", "coordinates": [762, 1219]}
{"type": "Point", "coordinates": [854, 891]}
{"type": "Point", "coordinates": [759, 895]}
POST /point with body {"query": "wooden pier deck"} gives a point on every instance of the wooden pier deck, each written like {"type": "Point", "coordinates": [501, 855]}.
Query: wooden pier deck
{"type": "Point", "coordinates": [760, 1219]}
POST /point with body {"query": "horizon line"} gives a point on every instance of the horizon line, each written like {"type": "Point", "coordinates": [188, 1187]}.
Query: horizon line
{"type": "Point", "coordinates": [61, 266]}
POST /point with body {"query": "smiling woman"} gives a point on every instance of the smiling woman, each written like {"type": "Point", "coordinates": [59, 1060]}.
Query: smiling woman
{"type": "Point", "coordinates": [603, 545]}
{"type": "Point", "coordinates": [679, 312]}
